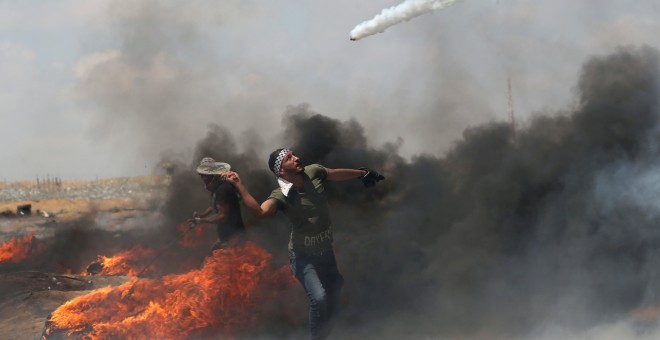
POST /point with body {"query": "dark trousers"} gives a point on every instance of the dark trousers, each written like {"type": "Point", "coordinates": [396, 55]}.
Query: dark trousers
{"type": "Point", "coordinates": [228, 241]}
{"type": "Point", "coordinates": [237, 238]}
{"type": "Point", "coordinates": [322, 281]}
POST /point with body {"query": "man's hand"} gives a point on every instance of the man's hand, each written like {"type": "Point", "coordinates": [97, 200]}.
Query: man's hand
{"type": "Point", "coordinates": [233, 178]}
{"type": "Point", "coordinates": [371, 177]}
{"type": "Point", "coordinates": [196, 218]}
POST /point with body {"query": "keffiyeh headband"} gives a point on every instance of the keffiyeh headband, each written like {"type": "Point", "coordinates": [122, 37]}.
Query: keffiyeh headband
{"type": "Point", "coordinates": [278, 161]}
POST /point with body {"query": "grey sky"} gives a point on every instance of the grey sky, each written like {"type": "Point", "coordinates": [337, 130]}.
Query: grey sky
{"type": "Point", "coordinates": [106, 88]}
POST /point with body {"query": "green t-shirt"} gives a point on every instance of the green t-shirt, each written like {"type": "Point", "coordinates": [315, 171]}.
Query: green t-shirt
{"type": "Point", "coordinates": [308, 212]}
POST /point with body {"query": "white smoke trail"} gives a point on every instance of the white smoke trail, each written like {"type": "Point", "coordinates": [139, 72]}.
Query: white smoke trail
{"type": "Point", "coordinates": [402, 12]}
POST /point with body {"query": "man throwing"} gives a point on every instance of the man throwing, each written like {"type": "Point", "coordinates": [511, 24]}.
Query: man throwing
{"type": "Point", "coordinates": [225, 208]}
{"type": "Point", "coordinates": [302, 198]}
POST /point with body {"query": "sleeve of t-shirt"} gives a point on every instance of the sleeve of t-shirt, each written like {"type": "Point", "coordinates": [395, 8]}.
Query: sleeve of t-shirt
{"type": "Point", "coordinates": [318, 171]}
{"type": "Point", "coordinates": [278, 197]}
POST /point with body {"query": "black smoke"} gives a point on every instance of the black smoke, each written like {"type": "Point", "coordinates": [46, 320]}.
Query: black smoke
{"type": "Point", "coordinates": [501, 235]}
{"type": "Point", "coordinates": [555, 223]}
{"type": "Point", "coordinates": [504, 233]}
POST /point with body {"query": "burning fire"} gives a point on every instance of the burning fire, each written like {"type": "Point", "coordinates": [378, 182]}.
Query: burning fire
{"type": "Point", "coordinates": [17, 249]}
{"type": "Point", "coordinates": [138, 261]}
{"type": "Point", "coordinates": [224, 296]}
{"type": "Point", "coordinates": [127, 262]}
{"type": "Point", "coordinates": [191, 237]}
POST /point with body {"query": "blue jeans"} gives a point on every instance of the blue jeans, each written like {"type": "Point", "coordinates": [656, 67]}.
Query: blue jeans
{"type": "Point", "coordinates": [322, 281]}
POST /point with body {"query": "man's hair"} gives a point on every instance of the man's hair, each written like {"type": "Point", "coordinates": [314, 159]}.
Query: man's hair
{"type": "Point", "coordinates": [272, 158]}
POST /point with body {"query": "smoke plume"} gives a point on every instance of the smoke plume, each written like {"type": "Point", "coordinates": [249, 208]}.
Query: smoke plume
{"type": "Point", "coordinates": [391, 16]}
{"type": "Point", "coordinates": [551, 232]}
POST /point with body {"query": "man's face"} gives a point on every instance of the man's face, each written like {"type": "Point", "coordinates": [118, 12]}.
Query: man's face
{"type": "Point", "coordinates": [206, 179]}
{"type": "Point", "coordinates": [291, 164]}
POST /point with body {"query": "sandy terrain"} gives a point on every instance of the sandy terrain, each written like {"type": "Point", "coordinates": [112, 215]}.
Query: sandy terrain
{"type": "Point", "coordinates": [120, 197]}
{"type": "Point", "coordinates": [28, 297]}
{"type": "Point", "coordinates": [24, 311]}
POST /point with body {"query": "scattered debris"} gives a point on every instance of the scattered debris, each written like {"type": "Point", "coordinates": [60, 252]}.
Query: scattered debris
{"type": "Point", "coordinates": [44, 213]}
{"type": "Point", "coordinates": [24, 210]}
{"type": "Point", "coordinates": [94, 268]}
{"type": "Point", "coordinates": [7, 213]}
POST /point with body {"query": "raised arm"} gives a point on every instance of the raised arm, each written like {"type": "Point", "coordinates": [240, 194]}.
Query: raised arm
{"type": "Point", "coordinates": [265, 209]}
{"type": "Point", "coordinates": [345, 174]}
{"type": "Point", "coordinates": [368, 177]}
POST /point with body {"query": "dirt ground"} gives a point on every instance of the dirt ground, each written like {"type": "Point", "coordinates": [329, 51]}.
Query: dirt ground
{"type": "Point", "coordinates": [120, 198]}
{"type": "Point", "coordinates": [73, 208]}
{"type": "Point", "coordinates": [62, 211]}
{"type": "Point", "coordinates": [28, 297]}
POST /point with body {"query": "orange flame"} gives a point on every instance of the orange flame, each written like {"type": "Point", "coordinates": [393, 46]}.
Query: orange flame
{"type": "Point", "coordinates": [225, 296]}
{"type": "Point", "coordinates": [17, 249]}
{"type": "Point", "coordinates": [127, 262]}
{"type": "Point", "coordinates": [192, 237]}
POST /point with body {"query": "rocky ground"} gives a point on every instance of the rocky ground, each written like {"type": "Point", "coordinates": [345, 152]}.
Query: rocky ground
{"type": "Point", "coordinates": [27, 297]}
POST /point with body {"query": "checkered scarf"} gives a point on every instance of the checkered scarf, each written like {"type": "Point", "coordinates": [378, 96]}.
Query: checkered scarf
{"type": "Point", "coordinates": [278, 161]}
